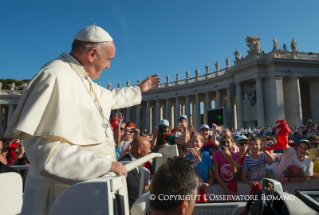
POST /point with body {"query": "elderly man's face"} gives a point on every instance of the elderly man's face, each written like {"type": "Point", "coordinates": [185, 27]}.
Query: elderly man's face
{"type": "Point", "coordinates": [146, 149]}
{"type": "Point", "coordinates": [102, 60]}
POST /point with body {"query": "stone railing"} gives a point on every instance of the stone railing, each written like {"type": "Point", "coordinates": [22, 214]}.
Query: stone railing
{"type": "Point", "coordinates": [194, 79]}
{"type": "Point", "coordinates": [11, 92]}
{"type": "Point", "coordinates": [297, 55]}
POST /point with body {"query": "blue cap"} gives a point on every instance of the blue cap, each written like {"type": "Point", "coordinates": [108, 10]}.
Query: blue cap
{"type": "Point", "coordinates": [304, 141]}
{"type": "Point", "coordinates": [183, 116]}
{"type": "Point", "coordinates": [204, 126]}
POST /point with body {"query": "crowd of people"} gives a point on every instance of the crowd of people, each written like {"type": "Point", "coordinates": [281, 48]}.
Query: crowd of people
{"type": "Point", "coordinates": [221, 156]}
{"type": "Point", "coordinates": [225, 157]}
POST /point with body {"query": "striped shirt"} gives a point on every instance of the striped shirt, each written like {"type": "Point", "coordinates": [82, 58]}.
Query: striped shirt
{"type": "Point", "coordinates": [255, 168]}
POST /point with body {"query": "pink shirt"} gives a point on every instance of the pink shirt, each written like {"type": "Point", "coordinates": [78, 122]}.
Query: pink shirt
{"type": "Point", "coordinates": [224, 166]}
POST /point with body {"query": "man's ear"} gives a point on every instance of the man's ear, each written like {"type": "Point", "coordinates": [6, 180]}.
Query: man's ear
{"type": "Point", "coordinates": [92, 54]}
{"type": "Point", "coordinates": [139, 149]}
{"type": "Point", "coordinates": [182, 207]}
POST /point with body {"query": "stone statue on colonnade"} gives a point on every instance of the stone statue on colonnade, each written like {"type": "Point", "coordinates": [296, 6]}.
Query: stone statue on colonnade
{"type": "Point", "coordinates": [109, 85]}
{"type": "Point", "coordinates": [119, 84]}
{"type": "Point", "coordinates": [217, 66]}
{"type": "Point", "coordinates": [24, 85]}
{"type": "Point", "coordinates": [293, 45]}
{"type": "Point", "coordinates": [207, 69]}
{"type": "Point", "coordinates": [227, 62]}
{"type": "Point", "coordinates": [177, 77]}
{"type": "Point", "coordinates": [254, 45]}
{"type": "Point", "coordinates": [0, 86]}
{"type": "Point", "coordinates": [167, 78]}
{"type": "Point", "coordinates": [275, 44]}
{"type": "Point", "coordinates": [138, 81]}
{"type": "Point", "coordinates": [187, 74]}
{"type": "Point", "coordinates": [237, 54]}
{"type": "Point", "coordinates": [197, 72]}
{"type": "Point", "coordinates": [13, 86]}
{"type": "Point", "coordinates": [128, 83]}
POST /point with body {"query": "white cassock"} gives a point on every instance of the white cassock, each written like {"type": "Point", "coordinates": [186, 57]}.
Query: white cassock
{"type": "Point", "coordinates": [61, 125]}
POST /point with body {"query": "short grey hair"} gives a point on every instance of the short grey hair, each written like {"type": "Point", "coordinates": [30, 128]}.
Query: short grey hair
{"type": "Point", "coordinates": [177, 178]}
{"type": "Point", "coordinates": [81, 47]}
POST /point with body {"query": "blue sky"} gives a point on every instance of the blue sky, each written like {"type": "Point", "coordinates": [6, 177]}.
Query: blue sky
{"type": "Point", "coordinates": [162, 36]}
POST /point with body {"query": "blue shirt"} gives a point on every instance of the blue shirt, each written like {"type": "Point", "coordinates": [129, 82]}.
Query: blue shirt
{"type": "Point", "coordinates": [118, 152]}
{"type": "Point", "coordinates": [203, 166]}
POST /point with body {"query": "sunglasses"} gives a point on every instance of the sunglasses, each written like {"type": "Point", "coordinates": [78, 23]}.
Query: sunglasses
{"type": "Point", "coordinates": [243, 143]}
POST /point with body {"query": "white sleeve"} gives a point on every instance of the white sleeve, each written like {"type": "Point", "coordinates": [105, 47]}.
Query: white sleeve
{"type": "Point", "coordinates": [126, 97]}
{"type": "Point", "coordinates": [309, 170]}
{"type": "Point", "coordinates": [63, 162]}
{"type": "Point", "coordinates": [147, 176]}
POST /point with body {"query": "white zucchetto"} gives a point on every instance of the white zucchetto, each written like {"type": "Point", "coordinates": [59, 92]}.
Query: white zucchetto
{"type": "Point", "coordinates": [93, 34]}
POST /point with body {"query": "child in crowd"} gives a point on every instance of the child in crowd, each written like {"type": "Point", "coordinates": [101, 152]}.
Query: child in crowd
{"type": "Point", "coordinates": [297, 166]}
{"type": "Point", "coordinates": [208, 147]}
{"type": "Point", "coordinates": [254, 165]}
{"type": "Point", "coordinates": [225, 164]}
{"type": "Point", "coordinates": [271, 166]}
{"type": "Point", "coordinates": [204, 165]}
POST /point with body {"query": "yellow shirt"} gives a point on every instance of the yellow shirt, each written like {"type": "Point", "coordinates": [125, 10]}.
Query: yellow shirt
{"type": "Point", "coordinates": [316, 163]}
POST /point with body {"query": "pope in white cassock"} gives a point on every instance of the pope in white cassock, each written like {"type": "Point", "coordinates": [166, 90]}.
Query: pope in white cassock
{"type": "Point", "coordinates": [63, 119]}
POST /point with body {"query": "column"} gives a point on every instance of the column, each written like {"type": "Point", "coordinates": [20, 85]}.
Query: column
{"type": "Point", "coordinates": [138, 117]}
{"type": "Point", "coordinates": [177, 110]}
{"type": "Point", "coordinates": [218, 100]}
{"type": "Point", "coordinates": [277, 108]}
{"type": "Point", "coordinates": [207, 105]}
{"type": "Point", "coordinates": [239, 96]}
{"type": "Point", "coordinates": [297, 103]}
{"type": "Point", "coordinates": [187, 108]}
{"type": "Point", "coordinates": [157, 112]}
{"type": "Point", "coordinates": [118, 112]}
{"type": "Point", "coordinates": [167, 109]}
{"type": "Point", "coordinates": [1, 115]}
{"type": "Point", "coordinates": [10, 114]}
{"type": "Point", "coordinates": [172, 117]}
{"type": "Point", "coordinates": [260, 103]}
{"type": "Point", "coordinates": [148, 117]}
{"type": "Point", "coordinates": [197, 114]}
{"type": "Point", "coordinates": [314, 99]}
{"type": "Point", "coordinates": [161, 112]}
{"type": "Point", "coordinates": [128, 114]}
{"type": "Point", "coordinates": [144, 117]}
{"type": "Point", "coordinates": [229, 110]}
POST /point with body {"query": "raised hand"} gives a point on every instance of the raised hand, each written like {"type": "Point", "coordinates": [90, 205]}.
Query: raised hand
{"type": "Point", "coordinates": [120, 118]}
{"type": "Point", "coordinates": [150, 82]}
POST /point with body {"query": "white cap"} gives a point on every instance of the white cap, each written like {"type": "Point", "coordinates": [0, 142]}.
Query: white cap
{"type": "Point", "coordinates": [309, 120]}
{"type": "Point", "coordinates": [242, 137]}
{"type": "Point", "coordinates": [93, 34]}
{"type": "Point", "coordinates": [164, 122]}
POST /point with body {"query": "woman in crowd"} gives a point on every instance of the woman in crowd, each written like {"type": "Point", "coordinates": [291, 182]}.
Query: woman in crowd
{"type": "Point", "coordinates": [253, 168]}
{"type": "Point", "coordinates": [204, 165]}
{"type": "Point", "coordinates": [243, 152]}
{"type": "Point", "coordinates": [314, 155]}
{"type": "Point", "coordinates": [219, 131]}
{"type": "Point", "coordinates": [225, 164]}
